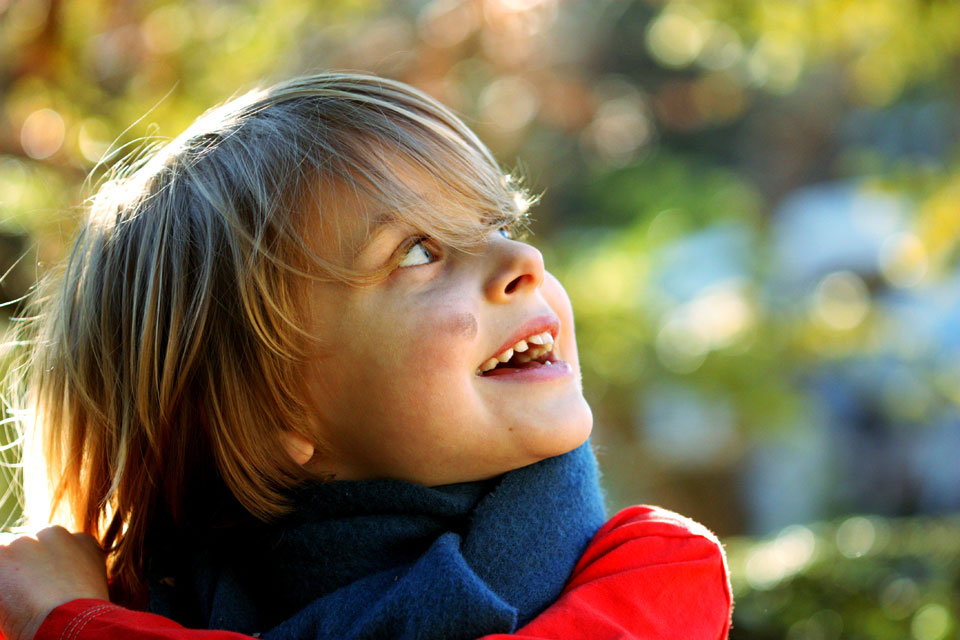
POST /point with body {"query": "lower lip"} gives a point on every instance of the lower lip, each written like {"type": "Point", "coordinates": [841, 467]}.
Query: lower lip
{"type": "Point", "coordinates": [544, 372]}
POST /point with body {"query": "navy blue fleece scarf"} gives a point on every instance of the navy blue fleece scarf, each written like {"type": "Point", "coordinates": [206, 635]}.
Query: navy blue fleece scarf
{"type": "Point", "coordinates": [388, 559]}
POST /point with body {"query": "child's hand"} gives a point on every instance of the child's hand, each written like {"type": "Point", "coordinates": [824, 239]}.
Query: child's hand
{"type": "Point", "coordinates": [37, 574]}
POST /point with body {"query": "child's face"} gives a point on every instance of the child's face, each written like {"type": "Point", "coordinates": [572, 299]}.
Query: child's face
{"type": "Point", "coordinates": [395, 385]}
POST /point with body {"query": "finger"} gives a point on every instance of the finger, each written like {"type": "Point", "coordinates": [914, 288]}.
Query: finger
{"type": "Point", "coordinates": [53, 535]}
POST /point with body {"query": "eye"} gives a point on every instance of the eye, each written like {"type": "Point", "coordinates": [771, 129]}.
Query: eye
{"type": "Point", "coordinates": [417, 254]}
{"type": "Point", "coordinates": [515, 229]}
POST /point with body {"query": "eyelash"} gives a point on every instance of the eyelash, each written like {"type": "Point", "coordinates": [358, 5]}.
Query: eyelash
{"type": "Point", "coordinates": [418, 241]}
{"type": "Point", "coordinates": [508, 232]}
{"type": "Point", "coordinates": [518, 228]}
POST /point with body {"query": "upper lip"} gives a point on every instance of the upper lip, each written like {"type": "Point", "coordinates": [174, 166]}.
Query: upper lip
{"type": "Point", "coordinates": [533, 326]}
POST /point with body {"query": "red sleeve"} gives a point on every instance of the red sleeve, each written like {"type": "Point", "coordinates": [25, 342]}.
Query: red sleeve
{"type": "Point", "coordinates": [648, 574]}
{"type": "Point", "coordinates": [100, 620]}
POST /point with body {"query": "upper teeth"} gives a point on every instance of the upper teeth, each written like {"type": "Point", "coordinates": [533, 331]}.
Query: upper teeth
{"type": "Point", "coordinates": [530, 348]}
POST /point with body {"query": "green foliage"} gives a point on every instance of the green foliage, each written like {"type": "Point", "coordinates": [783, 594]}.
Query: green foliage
{"type": "Point", "coordinates": [692, 192]}
{"type": "Point", "coordinates": [10, 477]}
{"type": "Point", "coordinates": [881, 47]}
{"type": "Point", "coordinates": [613, 270]}
{"type": "Point", "coordinates": [857, 578]}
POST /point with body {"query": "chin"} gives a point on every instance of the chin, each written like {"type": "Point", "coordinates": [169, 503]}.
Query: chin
{"type": "Point", "coordinates": [581, 430]}
{"type": "Point", "coordinates": [567, 432]}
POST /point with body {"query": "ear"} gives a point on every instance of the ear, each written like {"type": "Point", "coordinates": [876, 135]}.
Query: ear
{"type": "Point", "coordinates": [298, 447]}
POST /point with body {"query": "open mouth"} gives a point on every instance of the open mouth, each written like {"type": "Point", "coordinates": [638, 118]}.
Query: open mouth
{"type": "Point", "coordinates": [535, 350]}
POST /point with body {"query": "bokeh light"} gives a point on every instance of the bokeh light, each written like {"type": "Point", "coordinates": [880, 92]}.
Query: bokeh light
{"type": "Point", "coordinates": [931, 622]}
{"type": "Point", "coordinates": [823, 625]}
{"type": "Point", "coordinates": [903, 260]}
{"type": "Point", "coordinates": [841, 301]}
{"type": "Point", "coordinates": [509, 104]}
{"type": "Point", "coordinates": [900, 598]}
{"type": "Point", "coordinates": [42, 133]}
{"type": "Point", "coordinates": [621, 126]}
{"type": "Point", "coordinates": [780, 558]}
{"type": "Point", "coordinates": [856, 537]}
{"type": "Point", "coordinates": [447, 23]}
{"type": "Point", "coordinates": [675, 38]}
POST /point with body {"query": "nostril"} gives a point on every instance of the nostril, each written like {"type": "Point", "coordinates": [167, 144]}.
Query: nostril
{"type": "Point", "coordinates": [512, 286]}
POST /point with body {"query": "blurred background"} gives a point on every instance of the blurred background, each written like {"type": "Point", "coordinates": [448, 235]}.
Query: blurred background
{"type": "Point", "coordinates": [754, 205]}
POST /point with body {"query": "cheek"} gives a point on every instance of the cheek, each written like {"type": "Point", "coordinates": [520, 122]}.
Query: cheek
{"type": "Point", "coordinates": [438, 341]}
{"type": "Point", "coordinates": [460, 325]}
{"type": "Point", "coordinates": [448, 335]}
{"type": "Point", "coordinates": [556, 297]}
{"type": "Point", "coordinates": [432, 382]}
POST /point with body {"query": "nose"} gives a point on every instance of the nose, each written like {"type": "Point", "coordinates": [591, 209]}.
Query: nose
{"type": "Point", "coordinates": [516, 268]}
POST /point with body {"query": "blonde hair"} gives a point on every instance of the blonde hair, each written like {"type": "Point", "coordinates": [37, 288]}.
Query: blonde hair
{"type": "Point", "coordinates": [174, 335]}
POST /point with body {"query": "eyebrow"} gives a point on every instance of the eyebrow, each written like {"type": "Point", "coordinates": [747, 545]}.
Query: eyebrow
{"type": "Point", "coordinates": [381, 224]}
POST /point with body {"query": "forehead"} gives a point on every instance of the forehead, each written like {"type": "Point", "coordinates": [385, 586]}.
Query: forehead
{"type": "Point", "coordinates": [352, 213]}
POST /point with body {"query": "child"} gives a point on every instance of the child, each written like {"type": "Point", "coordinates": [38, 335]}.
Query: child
{"type": "Point", "coordinates": [301, 378]}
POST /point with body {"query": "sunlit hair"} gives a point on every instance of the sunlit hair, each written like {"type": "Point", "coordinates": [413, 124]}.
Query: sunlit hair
{"type": "Point", "coordinates": [165, 358]}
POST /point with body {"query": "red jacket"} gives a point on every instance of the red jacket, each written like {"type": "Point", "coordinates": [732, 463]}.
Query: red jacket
{"type": "Point", "coordinates": [647, 574]}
